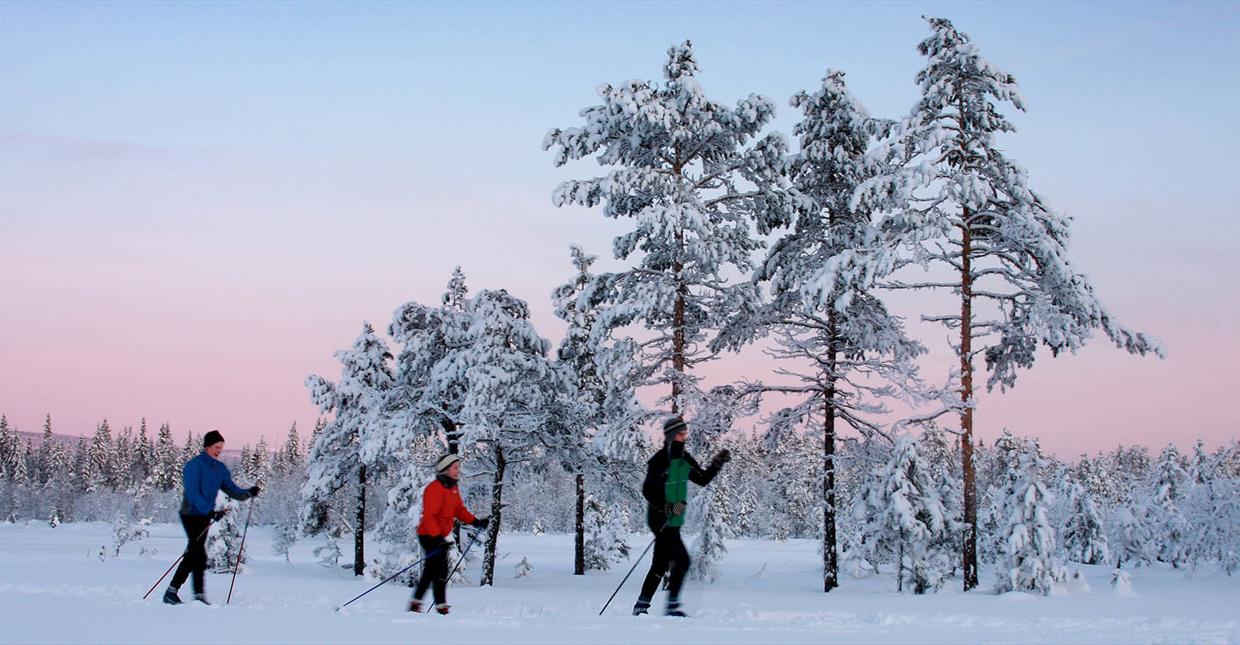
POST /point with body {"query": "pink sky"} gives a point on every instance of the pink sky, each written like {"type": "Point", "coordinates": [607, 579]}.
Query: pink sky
{"type": "Point", "coordinates": [188, 230]}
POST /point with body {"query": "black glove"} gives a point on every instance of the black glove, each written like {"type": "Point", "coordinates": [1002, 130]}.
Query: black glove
{"type": "Point", "coordinates": [254, 490]}
{"type": "Point", "coordinates": [675, 509]}
{"type": "Point", "coordinates": [217, 515]}
{"type": "Point", "coordinates": [721, 458]}
{"type": "Point", "coordinates": [481, 522]}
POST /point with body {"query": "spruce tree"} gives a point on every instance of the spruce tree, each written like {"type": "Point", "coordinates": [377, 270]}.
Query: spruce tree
{"type": "Point", "coordinates": [903, 518]}
{"type": "Point", "coordinates": [1084, 534]}
{"type": "Point", "coordinates": [1027, 560]}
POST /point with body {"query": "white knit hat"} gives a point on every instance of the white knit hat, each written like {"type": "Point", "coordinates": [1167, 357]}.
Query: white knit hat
{"type": "Point", "coordinates": [445, 462]}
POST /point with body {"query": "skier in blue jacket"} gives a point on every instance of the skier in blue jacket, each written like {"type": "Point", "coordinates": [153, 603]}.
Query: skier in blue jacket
{"type": "Point", "coordinates": [204, 476]}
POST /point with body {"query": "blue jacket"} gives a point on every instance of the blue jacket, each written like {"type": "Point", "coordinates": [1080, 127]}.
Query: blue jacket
{"type": "Point", "coordinates": [204, 476]}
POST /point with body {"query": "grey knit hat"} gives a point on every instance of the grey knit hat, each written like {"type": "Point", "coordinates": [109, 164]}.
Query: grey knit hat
{"type": "Point", "coordinates": [445, 462]}
{"type": "Point", "coordinates": [672, 426]}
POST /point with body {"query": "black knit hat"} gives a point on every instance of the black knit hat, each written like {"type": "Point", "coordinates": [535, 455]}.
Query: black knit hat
{"type": "Point", "coordinates": [212, 438]}
{"type": "Point", "coordinates": [673, 426]}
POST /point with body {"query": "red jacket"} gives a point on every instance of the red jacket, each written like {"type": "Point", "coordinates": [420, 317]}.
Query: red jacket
{"type": "Point", "coordinates": [440, 506]}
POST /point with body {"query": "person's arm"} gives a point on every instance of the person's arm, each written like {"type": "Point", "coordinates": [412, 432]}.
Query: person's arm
{"type": "Point", "coordinates": [465, 516]}
{"type": "Point", "coordinates": [191, 478]}
{"type": "Point", "coordinates": [701, 476]}
{"type": "Point", "coordinates": [231, 488]}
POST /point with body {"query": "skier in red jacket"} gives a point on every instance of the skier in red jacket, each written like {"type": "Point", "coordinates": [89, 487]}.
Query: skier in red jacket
{"type": "Point", "coordinates": [441, 507]}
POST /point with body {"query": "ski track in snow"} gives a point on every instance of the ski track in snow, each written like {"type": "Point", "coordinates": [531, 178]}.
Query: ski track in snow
{"type": "Point", "coordinates": [54, 588]}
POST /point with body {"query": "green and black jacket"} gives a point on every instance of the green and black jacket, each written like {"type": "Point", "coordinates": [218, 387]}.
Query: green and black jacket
{"type": "Point", "coordinates": [668, 474]}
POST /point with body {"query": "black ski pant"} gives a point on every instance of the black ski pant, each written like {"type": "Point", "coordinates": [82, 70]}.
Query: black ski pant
{"type": "Point", "coordinates": [669, 550]}
{"type": "Point", "coordinates": [434, 569]}
{"type": "Point", "coordinates": [195, 559]}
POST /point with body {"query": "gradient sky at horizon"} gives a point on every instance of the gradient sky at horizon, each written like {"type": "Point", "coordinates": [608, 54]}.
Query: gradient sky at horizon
{"type": "Point", "coordinates": [203, 201]}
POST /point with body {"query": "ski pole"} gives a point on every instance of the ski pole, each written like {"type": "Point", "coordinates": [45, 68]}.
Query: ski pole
{"type": "Point", "coordinates": [389, 579]}
{"type": "Point", "coordinates": [240, 551]}
{"type": "Point", "coordinates": [626, 576]}
{"type": "Point", "coordinates": [472, 539]}
{"type": "Point", "coordinates": [178, 560]}
{"type": "Point", "coordinates": [632, 569]}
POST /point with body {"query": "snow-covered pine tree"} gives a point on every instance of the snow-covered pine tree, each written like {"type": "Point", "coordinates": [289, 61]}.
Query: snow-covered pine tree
{"type": "Point", "coordinates": [259, 470]}
{"type": "Point", "coordinates": [425, 400]}
{"type": "Point", "coordinates": [682, 176]}
{"type": "Point", "coordinates": [193, 446]}
{"type": "Point", "coordinates": [953, 199]}
{"type": "Point", "coordinates": [511, 394]}
{"type": "Point", "coordinates": [1129, 534]}
{"type": "Point", "coordinates": [289, 459]}
{"type": "Point", "coordinates": [1168, 526]}
{"type": "Point", "coordinates": [284, 536]}
{"type": "Point", "coordinates": [8, 446]}
{"type": "Point", "coordinates": [1027, 560]}
{"type": "Point", "coordinates": [605, 528]}
{"type": "Point", "coordinates": [48, 466]}
{"type": "Point", "coordinates": [903, 519]}
{"type": "Point", "coordinates": [709, 548]}
{"type": "Point", "coordinates": [821, 274]}
{"type": "Point", "coordinates": [604, 409]}
{"type": "Point", "coordinates": [1220, 539]}
{"type": "Point", "coordinates": [141, 458]}
{"type": "Point", "coordinates": [167, 471]}
{"type": "Point", "coordinates": [346, 446]}
{"type": "Point", "coordinates": [1084, 533]}
{"type": "Point", "coordinates": [1212, 510]}
{"type": "Point", "coordinates": [103, 459]}
{"type": "Point", "coordinates": [224, 540]}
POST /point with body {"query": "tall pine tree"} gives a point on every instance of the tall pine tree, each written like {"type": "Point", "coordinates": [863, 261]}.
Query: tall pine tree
{"type": "Point", "coordinates": [954, 199]}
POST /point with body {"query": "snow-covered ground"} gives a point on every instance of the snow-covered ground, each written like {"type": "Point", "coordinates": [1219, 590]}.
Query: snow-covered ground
{"type": "Point", "coordinates": [54, 588]}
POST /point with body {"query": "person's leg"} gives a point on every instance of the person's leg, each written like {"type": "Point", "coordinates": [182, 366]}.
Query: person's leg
{"type": "Point", "coordinates": [196, 526]}
{"type": "Point", "coordinates": [658, 566]}
{"type": "Point", "coordinates": [679, 557]}
{"type": "Point", "coordinates": [424, 581]}
{"type": "Point", "coordinates": [439, 578]}
{"type": "Point", "coordinates": [186, 566]}
{"type": "Point", "coordinates": [194, 560]}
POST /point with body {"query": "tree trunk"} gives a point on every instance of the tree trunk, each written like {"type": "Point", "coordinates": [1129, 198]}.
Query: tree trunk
{"type": "Point", "coordinates": [497, 493]}
{"type": "Point", "coordinates": [900, 566]}
{"type": "Point", "coordinates": [830, 559]}
{"type": "Point", "coordinates": [969, 555]}
{"type": "Point", "coordinates": [579, 559]}
{"type": "Point", "coordinates": [359, 531]}
{"type": "Point", "coordinates": [452, 435]}
{"type": "Point", "coordinates": [678, 309]}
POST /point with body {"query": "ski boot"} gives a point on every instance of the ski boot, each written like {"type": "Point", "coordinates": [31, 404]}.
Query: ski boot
{"type": "Point", "coordinates": [442, 608]}
{"type": "Point", "coordinates": [415, 606]}
{"type": "Point", "coordinates": [171, 597]}
{"type": "Point", "coordinates": [642, 607]}
{"type": "Point", "coordinates": [674, 611]}
{"type": "Point", "coordinates": [202, 598]}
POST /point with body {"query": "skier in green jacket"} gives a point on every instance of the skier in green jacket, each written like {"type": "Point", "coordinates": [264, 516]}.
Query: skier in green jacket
{"type": "Point", "coordinates": [666, 490]}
